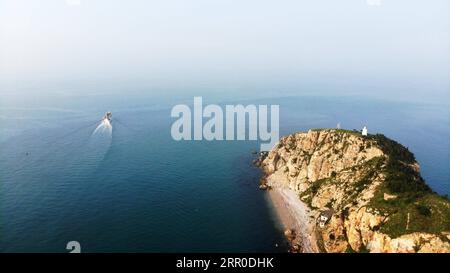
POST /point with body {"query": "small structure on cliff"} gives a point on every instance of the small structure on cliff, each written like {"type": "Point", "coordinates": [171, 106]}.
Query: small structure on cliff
{"type": "Point", "coordinates": [364, 131]}
{"type": "Point", "coordinates": [324, 217]}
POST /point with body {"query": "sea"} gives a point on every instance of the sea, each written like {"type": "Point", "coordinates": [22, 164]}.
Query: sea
{"type": "Point", "coordinates": [136, 189]}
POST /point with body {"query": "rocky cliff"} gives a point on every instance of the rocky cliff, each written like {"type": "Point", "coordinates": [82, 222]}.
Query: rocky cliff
{"type": "Point", "coordinates": [366, 192]}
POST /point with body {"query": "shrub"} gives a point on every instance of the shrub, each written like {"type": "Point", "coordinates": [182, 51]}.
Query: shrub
{"type": "Point", "coordinates": [394, 149]}
{"type": "Point", "coordinates": [401, 178]}
{"type": "Point", "coordinates": [423, 210]}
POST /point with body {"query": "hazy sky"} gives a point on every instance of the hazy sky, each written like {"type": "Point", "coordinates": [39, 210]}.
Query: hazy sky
{"type": "Point", "coordinates": [355, 44]}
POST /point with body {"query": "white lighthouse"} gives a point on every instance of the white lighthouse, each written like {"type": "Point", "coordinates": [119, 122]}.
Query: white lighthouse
{"type": "Point", "coordinates": [364, 131]}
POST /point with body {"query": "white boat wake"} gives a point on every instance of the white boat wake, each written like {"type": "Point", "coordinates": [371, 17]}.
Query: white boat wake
{"type": "Point", "coordinates": [104, 127]}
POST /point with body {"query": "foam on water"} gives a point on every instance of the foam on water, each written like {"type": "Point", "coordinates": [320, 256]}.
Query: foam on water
{"type": "Point", "coordinates": [99, 143]}
{"type": "Point", "coordinates": [104, 127]}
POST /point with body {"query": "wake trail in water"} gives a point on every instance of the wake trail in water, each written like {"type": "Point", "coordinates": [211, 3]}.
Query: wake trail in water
{"type": "Point", "coordinates": [104, 127]}
{"type": "Point", "coordinates": [98, 145]}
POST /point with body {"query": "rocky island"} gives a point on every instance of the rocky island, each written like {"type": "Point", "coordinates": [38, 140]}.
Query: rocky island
{"type": "Point", "coordinates": [339, 191]}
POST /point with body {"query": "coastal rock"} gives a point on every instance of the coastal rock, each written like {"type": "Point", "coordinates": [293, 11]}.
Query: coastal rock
{"type": "Point", "coordinates": [333, 236]}
{"type": "Point", "coordinates": [372, 184]}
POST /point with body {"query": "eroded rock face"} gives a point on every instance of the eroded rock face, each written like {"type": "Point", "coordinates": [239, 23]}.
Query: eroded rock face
{"type": "Point", "coordinates": [343, 171]}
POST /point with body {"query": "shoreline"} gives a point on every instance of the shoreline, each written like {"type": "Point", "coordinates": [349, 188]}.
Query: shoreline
{"type": "Point", "coordinates": [296, 218]}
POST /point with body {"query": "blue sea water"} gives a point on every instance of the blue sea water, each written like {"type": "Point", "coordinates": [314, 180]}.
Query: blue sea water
{"type": "Point", "coordinates": [138, 190]}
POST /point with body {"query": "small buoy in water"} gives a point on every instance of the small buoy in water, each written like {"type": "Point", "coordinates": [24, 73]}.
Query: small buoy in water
{"type": "Point", "coordinates": [276, 245]}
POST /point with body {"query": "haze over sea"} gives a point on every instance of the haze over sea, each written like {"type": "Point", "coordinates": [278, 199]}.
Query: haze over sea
{"type": "Point", "coordinates": [139, 190]}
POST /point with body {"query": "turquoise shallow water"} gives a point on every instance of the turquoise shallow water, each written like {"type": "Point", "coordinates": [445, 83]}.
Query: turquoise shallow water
{"type": "Point", "coordinates": [140, 191]}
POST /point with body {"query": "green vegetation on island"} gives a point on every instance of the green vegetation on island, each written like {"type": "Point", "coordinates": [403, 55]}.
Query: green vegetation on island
{"type": "Point", "coordinates": [345, 171]}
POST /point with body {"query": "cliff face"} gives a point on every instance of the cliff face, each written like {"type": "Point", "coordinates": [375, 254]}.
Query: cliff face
{"type": "Point", "coordinates": [365, 191]}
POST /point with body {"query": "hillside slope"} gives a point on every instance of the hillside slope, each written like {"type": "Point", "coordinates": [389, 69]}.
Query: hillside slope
{"type": "Point", "coordinates": [366, 192]}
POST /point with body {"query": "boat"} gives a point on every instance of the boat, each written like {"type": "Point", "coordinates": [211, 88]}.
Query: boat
{"type": "Point", "coordinates": [107, 117]}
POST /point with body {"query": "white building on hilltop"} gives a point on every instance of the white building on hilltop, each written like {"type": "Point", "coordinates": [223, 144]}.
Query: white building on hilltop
{"type": "Point", "coordinates": [364, 131]}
